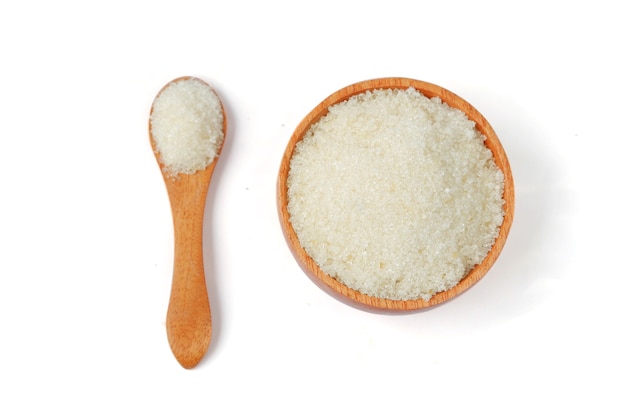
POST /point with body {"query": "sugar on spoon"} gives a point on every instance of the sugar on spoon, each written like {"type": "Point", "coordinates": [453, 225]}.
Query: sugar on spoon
{"type": "Point", "coordinates": [187, 128]}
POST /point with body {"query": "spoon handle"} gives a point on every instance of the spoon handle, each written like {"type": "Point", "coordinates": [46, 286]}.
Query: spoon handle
{"type": "Point", "coordinates": [188, 319]}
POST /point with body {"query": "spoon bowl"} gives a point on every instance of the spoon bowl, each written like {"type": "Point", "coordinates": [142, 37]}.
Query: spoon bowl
{"type": "Point", "coordinates": [330, 284]}
{"type": "Point", "coordinates": [188, 320]}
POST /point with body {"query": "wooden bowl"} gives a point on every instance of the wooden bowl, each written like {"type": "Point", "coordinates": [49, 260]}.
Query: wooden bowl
{"type": "Point", "coordinates": [343, 292]}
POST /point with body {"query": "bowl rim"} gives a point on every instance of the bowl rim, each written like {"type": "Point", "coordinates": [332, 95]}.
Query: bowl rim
{"type": "Point", "coordinates": [341, 291]}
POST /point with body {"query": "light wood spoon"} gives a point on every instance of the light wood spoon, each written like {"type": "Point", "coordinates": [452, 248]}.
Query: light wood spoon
{"type": "Point", "coordinates": [188, 319]}
{"type": "Point", "coordinates": [332, 285]}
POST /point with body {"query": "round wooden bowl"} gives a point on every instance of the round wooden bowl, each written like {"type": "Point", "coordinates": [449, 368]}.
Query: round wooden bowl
{"type": "Point", "coordinates": [343, 292]}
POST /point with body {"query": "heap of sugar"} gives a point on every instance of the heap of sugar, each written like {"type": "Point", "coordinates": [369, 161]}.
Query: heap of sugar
{"type": "Point", "coordinates": [187, 126]}
{"type": "Point", "coordinates": [395, 195]}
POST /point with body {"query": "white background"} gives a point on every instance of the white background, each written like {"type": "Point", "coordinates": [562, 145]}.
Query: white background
{"type": "Point", "coordinates": [86, 241]}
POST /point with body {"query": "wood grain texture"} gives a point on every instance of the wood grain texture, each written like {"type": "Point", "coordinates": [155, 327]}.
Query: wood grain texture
{"type": "Point", "coordinates": [188, 320]}
{"type": "Point", "coordinates": [333, 286]}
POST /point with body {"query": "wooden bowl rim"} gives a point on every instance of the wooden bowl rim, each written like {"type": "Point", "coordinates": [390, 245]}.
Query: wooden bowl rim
{"type": "Point", "coordinates": [345, 293]}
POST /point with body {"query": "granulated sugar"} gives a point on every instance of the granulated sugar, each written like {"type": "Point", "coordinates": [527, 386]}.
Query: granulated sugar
{"type": "Point", "coordinates": [395, 195]}
{"type": "Point", "coordinates": [187, 126]}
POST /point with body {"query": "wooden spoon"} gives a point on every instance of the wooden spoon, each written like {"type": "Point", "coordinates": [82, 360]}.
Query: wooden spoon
{"type": "Point", "coordinates": [188, 319]}
{"type": "Point", "coordinates": [343, 292]}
